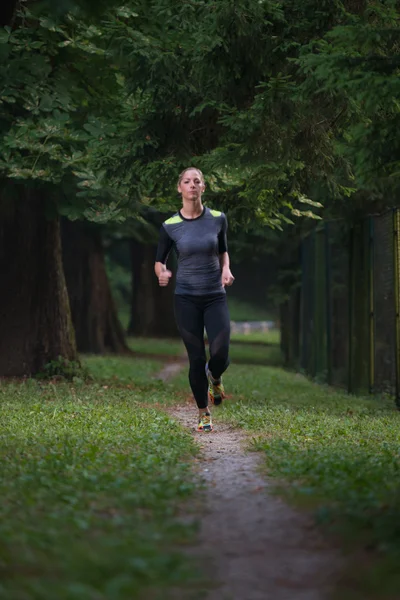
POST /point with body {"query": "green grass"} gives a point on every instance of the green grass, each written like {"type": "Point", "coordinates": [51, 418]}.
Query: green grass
{"type": "Point", "coordinates": [92, 480]}
{"type": "Point", "coordinates": [258, 337]}
{"type": "Point", "coordinates": [247, 353]}
{"type": "Point", "coordinates": [255, 354]}
{"type": "Point", "coordinates": [121, 369]}
{"type": "Point", "coordinates": [167, 347]}
{"type": "Point", "coordinates": [244, 311]}
{"type": "Point", "coordinates": [340, 455]}
{"type": "Point", "coordinates": [93, 477]}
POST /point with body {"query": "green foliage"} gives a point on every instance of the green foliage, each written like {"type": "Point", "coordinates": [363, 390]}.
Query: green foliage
{"type": "Point", "coordinates": [201, 105]}
{"type": "Point", "coordinates": [357, 66]}
{"type": "Point", "coordinates": [281, 104]}
{"type": "Point", "coordinates": [62, 368]}
{"type": "Point", "coordinates": [58, 92]}
{"type": "Point", "coordinates": [91, 482]}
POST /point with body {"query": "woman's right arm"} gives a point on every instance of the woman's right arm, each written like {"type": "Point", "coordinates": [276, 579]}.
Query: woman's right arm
{"type": "Point", "coordinates": [163, 274]}
{"type": "Point", "coordinates": [164, 247]}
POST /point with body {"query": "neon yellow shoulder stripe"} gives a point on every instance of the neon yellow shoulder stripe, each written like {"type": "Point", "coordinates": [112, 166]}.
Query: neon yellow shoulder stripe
{"type": "Point", "coordinates": [216, 213]}
{"type": "Point", "coordinates": [173, 220]}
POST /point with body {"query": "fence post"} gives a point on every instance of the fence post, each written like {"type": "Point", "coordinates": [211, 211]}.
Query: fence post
{"type": "Point", "coordinates": [350, 307]}
{"type": "Point", "coordinates": [396, 242]}
{"type": "Point", "coordinates": [302, 293]}
{"type": "Point", "coordinates": [371, 306]}
{"type": "Point", "coordinates": [307, 358]}
{"type": "Point", "coordinates": [314, 344]}
{"type": "Point", "coordinates": [328, 284]}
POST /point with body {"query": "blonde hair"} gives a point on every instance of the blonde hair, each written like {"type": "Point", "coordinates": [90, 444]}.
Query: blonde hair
{"type": "Point", "coordinates": [182, 175]}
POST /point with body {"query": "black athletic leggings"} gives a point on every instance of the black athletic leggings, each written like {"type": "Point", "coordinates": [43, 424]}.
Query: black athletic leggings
{"type": "Point", "coordinates": [193, 314]}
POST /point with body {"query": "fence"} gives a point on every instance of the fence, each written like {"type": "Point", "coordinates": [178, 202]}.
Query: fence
{"type": "Point", "coordinates": [341, 321]}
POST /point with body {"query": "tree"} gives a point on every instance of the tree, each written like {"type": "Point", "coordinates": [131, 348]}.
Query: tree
{"type": "Point", "coordinates": [94, 314]}
{"type": "Point", "coordinates": [50, 107]}
{"type": "Point", "coordinates": [34, 313]}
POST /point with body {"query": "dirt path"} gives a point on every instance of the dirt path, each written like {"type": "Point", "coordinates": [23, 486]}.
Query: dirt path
{"type": "Point", "coordinates": [254, 545]}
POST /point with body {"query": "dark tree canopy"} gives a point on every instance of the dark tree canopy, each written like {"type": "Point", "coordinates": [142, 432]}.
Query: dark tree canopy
{"type": "Point", "coordinates": [291, 109]}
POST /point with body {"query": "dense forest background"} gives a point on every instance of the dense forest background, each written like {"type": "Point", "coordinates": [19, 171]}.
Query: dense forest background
{"type": "Point", "coordinates": [290, 109]}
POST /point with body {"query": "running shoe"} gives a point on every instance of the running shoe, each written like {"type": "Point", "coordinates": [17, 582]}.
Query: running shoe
{"type": "Point", "coordinates": [205, 423]}
{"type": "Point", "coordinates": [216, 390]}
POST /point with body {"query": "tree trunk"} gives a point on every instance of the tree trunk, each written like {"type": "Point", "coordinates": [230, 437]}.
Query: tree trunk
{"type": "Point", "coordinates": [152, 310]}
{"type": "Point", "coordinates": [97, 327]}
{"type": "Point", "coordinates": [35, 319]}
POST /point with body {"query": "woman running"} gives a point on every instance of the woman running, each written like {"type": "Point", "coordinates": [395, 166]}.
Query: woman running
{"type": "Point", "coordinates": [198, 235]}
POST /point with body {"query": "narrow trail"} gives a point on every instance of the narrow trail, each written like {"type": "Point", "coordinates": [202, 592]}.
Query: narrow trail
{"type": "Point", "coordinates": [254, 546]}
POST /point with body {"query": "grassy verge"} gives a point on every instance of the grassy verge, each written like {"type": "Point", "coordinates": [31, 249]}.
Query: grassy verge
{"type": "Point", "coordinates": [249, 353]}
{"type": "Point", "coordinates": [258, 337]}
{"type": "Point", "coordinates": [121, 369]}
{"type": "Point", "coordinates": [243, 311]}
{"type": "Point", "coordinates": [255, 354]}
{"type": "Point", "coordinates": [338, 455]}
{"type": "Point", "coordinates": [152, 346]}
{"type": "Point", "coordinates": [91, 483]}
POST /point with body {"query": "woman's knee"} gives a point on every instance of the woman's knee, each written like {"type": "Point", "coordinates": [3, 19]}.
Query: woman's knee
{"type": "Point", "coordinates": [220, 354]}
{"type": "Point", "coordinates": [197, 363]}
{"type": "Point", "coordinates": [219, 363]}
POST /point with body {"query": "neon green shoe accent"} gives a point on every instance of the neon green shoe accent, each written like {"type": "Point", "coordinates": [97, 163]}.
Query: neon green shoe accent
{"type": "Point", "coordinates": [205, 423]}
{"type": "Point", "coordinates": [216, 392]}
{"type": "Point", "coordinates": [173, 220]}
{"type": "Point", "coordinates": [216, 213]}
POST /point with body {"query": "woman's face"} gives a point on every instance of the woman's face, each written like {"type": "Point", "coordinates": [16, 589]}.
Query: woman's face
{"type": "Point", "coordinates": [191, 186]}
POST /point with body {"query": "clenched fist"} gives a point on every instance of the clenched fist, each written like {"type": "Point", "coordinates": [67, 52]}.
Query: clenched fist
{"type": "Point", "coordinates": [164, 277]}
{"type": "Point", "coordinates": [227, 277]}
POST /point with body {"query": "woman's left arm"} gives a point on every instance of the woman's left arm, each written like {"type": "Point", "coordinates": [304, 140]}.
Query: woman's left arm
{"type": "Point", "coordinates": [227, 277]}
{"type": "Point", "coordinates": [224, 260]}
